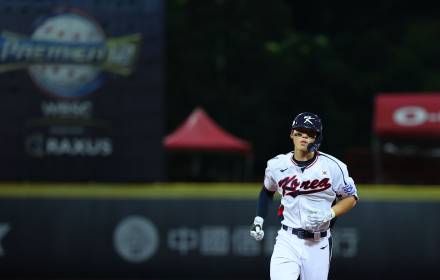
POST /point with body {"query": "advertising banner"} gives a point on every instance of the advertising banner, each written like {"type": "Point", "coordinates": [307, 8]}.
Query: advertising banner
{"type": "Point", "coordinates": [407, 114]}
{"type": "Point", "coordinates": [201, 239]}
{"type": "Point", "coordinates": [81, 90]}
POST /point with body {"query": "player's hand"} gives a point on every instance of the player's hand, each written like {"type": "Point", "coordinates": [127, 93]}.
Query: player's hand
{"type": "Point", "coordinates": [318, 218]}
{"type": "Point", "coordinates": [257, 229]}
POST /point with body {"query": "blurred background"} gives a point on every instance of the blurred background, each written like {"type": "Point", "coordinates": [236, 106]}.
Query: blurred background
{"type": "Point", "coordinates": [135, 133]}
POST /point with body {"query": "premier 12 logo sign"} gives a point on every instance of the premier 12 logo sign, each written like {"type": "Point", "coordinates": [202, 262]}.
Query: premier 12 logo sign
{"type": "Point", "coordinates": [68, 56]}
{"type": "Point", "coordinates": [67, 53]}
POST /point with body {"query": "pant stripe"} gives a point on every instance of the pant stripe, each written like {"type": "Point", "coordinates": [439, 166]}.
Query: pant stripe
{"type": "Point", "coordinates": [330, 244]}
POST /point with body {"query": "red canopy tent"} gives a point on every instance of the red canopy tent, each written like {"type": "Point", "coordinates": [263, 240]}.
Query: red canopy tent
{"type": "Point", "coordinates": [199, 132]}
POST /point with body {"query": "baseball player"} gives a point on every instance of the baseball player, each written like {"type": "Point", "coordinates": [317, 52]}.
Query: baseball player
{"type": "Point", "coordinates": [315, 188]}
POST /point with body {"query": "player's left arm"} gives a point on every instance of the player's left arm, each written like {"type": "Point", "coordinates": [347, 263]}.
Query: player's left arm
{"type": "Point", "coordinates": [344, 205]}
{"type": "Point", "coordinates": [346, 192]}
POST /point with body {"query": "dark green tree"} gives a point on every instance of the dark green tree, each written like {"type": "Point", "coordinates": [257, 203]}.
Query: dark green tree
{"type": "Point", "coordinates": [254, 65]}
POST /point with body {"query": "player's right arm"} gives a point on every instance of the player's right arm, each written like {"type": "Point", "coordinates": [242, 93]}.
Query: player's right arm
{"type": "Point", "coordinates": [265, 198]}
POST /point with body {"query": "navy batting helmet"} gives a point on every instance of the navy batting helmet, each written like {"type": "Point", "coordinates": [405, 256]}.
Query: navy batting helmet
{"type": "Point", "coordinates": [313, 122]}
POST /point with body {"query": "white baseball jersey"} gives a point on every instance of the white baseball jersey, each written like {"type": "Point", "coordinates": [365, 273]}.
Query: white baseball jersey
{"type": "Point", "coordinates": [309, 188]}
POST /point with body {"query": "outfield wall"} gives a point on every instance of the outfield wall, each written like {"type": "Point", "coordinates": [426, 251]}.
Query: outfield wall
{"type": "Point", "coordinates": [129, 237]}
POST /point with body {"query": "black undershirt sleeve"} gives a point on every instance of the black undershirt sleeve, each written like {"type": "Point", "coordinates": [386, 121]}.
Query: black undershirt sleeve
{"type": "Point", "coordinates": [264, 200]}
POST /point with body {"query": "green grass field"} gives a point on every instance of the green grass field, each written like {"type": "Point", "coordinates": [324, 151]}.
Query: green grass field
{"type": "Point", "coordinates": [193, 191]}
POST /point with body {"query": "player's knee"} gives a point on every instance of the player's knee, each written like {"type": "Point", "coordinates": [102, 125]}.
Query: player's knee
{"type": "Point", "coordinates": [284, 270]}
{"type": "Point", "coordinates": [282, 275]}
{"type": "Point", "coordinates": [275, 275]}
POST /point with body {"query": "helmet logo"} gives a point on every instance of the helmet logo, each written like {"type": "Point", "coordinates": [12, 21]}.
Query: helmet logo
{"type": "Point", "coordinates": [308, 119]}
